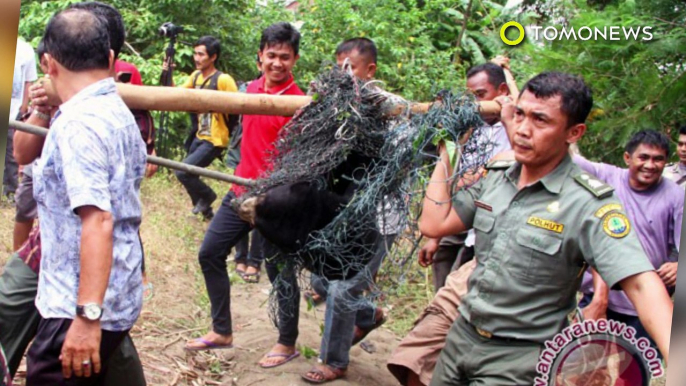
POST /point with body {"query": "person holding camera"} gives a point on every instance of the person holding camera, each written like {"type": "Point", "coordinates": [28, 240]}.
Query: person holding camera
{"type": "Point", "coordinates": [209, 135]}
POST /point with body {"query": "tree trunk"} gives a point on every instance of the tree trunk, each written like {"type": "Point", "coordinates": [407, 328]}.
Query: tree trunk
{"type": "Point", "coordinates": [467, 13]}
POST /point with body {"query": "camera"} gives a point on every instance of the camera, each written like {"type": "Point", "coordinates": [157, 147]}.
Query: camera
{"type": "Point", "coordinates": [169, 30]}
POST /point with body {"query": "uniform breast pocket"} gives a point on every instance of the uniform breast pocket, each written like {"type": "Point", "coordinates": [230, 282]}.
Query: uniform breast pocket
{"type": "Point", "coordinates": [483, 225]}
{"type": "Point", "coordinates": [539, 257]}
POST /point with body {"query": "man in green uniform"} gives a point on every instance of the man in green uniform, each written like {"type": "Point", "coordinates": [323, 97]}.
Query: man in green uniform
{"type": "Point", "coordinates": [538, 222]}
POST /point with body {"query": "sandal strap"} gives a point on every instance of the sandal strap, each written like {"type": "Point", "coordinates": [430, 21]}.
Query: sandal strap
{"type": "Point", "coordinates": [328, 372]}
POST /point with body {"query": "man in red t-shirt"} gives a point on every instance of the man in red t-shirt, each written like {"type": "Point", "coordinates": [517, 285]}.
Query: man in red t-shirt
{"type": "Point", "coordinates": [122, 68]}
{"type": "Point", "coordinates": [278, 53]}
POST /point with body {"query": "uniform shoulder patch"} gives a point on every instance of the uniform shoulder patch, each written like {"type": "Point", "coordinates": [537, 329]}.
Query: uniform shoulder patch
{"type": "Point", "coordinates": [594, 185]}
{"type": "Point", "coordinates": [499, 164]}
{"type": "Point", "coordinates": [607, 208]}
{"type": "Point", "coordinates": [616, 225]}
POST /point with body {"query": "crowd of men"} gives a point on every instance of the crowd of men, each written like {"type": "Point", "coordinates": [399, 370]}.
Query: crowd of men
{"type": "Point", "coordinates": [511, 250]}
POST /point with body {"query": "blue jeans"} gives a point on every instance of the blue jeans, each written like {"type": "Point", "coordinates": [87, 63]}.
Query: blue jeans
{"type": "Point", "coordinates": [346, 308]}
{"type": "Point", "coordinates": [200, 154]}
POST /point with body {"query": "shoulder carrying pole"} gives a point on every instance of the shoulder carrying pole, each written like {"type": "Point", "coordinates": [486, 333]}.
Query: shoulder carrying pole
{"type": "Point", "coordinates": [35, 130]}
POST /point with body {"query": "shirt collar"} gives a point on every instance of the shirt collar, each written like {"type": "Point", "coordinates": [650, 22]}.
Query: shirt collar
{"type": "Point", "coordinates": [101, 87]}
{"type": "Point", "coordinates": [279, 89]}
{"type": "Point", "coordinates": [552, 181]}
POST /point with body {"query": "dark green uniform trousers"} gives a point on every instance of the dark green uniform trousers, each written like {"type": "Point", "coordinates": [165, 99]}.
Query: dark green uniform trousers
{"type": "Point", "coordinates": [471, 359]}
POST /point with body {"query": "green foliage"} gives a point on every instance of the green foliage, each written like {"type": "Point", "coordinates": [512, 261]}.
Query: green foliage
{"type": "Point", "coordinates": [307, 352]}
{"type": "Point", "coordinates": [236, 23]}
{"type": "Point", "coordinates": [636, 84]}
{"type": "Point", "coordinates": [408, 61]}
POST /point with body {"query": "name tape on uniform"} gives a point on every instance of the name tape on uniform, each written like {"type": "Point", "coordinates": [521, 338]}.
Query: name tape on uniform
{"type": "Point", "coordinates": [545, 224]}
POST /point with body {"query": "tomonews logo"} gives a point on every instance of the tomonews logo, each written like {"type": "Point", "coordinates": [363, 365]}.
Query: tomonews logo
{"type": "Point", "coordinates": [570, 33]}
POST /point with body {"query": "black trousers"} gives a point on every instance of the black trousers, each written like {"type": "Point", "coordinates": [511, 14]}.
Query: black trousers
{"type": "Point", "coordinates": [201, 154]}
{"type": "Point", "coordinates": [225, 231]}
{"type": "Point", "coordinates": [44, 366]}
{"type": "Point", "coordinates": [250, 250]}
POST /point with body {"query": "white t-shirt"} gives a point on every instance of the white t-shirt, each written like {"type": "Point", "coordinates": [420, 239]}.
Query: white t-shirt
{"type": "Point", "coordinates": [493, 139]}
{"type": "Point", "coordinates": [24, 71]}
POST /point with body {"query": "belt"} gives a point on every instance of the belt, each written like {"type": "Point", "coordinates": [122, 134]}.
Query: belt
{"type": "Point", "coordinates": [489, 335]}
{"type": "Point", "coordinates": [483, 332]}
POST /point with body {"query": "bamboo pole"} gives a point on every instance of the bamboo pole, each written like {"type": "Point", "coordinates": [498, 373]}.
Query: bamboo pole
{"type": "Point", "coordinates": [35, 130]}
{"type": "Point", "coordinates": [158, 98]}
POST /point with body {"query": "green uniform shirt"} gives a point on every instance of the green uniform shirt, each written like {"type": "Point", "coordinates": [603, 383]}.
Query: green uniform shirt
{"type": "Point", "coordinates": [532, 245]}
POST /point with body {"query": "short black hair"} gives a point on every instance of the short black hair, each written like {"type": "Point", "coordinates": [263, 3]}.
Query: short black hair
{"type": "Point", "coordinates": [281, 33]}
{"type": "Point", "coordinates": [577, 99]}
{"type": "Point", "coordinates": [682, 130]}
{"type": "Point", "coordinates": [78, 40]}
{"type": "Point", "coordinates": [496, 75]}
{"type": "Point", "coordinates": [648, 137]}
{"type": "Point", "coordinates": [211, 44]}
{"type": "Point", "coordinates": [115, 23]}
{"type": "Point", "coordinates": [364, 46]}
{"type": "Point", "coordinates": [40, 50]}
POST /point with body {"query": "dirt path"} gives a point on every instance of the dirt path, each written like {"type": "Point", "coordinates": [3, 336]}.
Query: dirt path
{"type": "Point", "coordinates": [179, 309]}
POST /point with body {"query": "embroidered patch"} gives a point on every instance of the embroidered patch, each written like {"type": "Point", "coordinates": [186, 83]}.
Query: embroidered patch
{"type": "Point", "coordinates": [545, 224]}
{"type": "Point", "coordinates": [616, 225]}
{"type": "Point", "coordinates": [605, 209]}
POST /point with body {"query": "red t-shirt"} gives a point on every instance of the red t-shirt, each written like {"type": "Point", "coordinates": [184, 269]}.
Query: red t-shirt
{"type": "Point", "coordinates": [260, 132]}
{"type": "Point", "coordinates": [122, 66]}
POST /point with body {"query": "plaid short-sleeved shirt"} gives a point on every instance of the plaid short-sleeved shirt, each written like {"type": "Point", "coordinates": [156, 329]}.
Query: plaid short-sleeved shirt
{"type": "Point", "coordinates": [30, 252]}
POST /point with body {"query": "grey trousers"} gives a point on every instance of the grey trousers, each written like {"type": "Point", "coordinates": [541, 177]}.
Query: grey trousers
{"type": "Point", "coordinates": [19, 320]}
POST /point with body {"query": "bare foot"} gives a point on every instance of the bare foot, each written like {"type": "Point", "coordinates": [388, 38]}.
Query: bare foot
{"type": "Point", "coordinates": [211, 340]}
{"type": "Point", "coordinates": [278, 355]}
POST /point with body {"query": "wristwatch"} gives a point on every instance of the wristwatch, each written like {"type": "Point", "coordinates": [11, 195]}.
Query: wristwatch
{"type": "Point", "coordinates": [90, 311]}
{"type": "Point", "coordinates": [41, 115]}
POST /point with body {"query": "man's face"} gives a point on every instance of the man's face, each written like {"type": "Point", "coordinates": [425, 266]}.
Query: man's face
{"type": "Point", "coordinates": [480, 86]}
{"type": "Point", "coordinates": [202, 60]}
{"type": "Point", "coordinates": [645, 166]}
{"type": "Point", "coordinates": [485, 91]}
{"type": "Point", "coordinates": [681, 148]}
{"type": "Point", "coordinates": [277, 63]}
{"type": "Point", "coordinates": [540, 130]}
{"type": "Point", "coordinates": [361, 66]}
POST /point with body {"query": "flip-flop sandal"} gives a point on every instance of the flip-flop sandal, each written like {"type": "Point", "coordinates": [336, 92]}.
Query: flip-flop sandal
{"type": "Point", "coordinates": [251, 277]}
{"type": "Point", "coordinates": [287, 358]}
{"type": "Point", "coordinates": [208, 345]}
{"type": "Point", "coordinates": [325, 373]}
